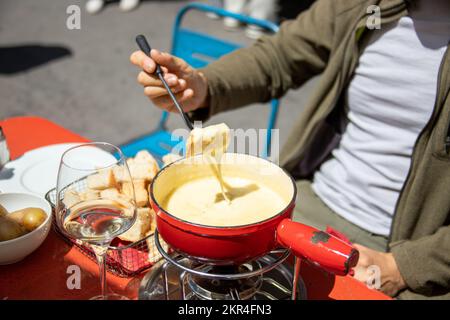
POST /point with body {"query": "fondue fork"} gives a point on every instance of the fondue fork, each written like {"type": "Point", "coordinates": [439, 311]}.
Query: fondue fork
{"type": "Point", "coordinates": [145, 47]}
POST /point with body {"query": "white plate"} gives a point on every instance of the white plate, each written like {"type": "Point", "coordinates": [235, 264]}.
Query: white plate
{"type": "Point", "coordinates": [36, 171]}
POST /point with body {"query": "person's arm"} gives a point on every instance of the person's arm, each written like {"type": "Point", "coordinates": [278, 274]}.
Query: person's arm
{"type": "Point", "coordinates": [263, 71]}
{"type": "Point", "coordinates": [275, 63]}
{"type": "Point", "coordinates": [424, 263]}
{"type": "Point", "coordinates": [421, 265]}
{"type": "Point", "coordinates": [389, 279]}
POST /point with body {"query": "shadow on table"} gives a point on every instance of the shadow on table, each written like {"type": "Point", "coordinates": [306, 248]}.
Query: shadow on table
{"type": "Point", "coordinates": [6, 173]}
{"type": "Point", "coordinates": [319, 283]}
{"type": "Point", "coordinates": [25, 57]}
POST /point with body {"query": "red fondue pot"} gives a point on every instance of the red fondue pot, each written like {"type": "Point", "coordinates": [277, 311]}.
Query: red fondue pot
{"type": "Point", "coordinates": [241, 243]}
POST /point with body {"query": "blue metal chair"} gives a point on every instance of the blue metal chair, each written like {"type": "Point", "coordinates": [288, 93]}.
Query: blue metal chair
{"type": "Point", "coordinates": [198, 49]}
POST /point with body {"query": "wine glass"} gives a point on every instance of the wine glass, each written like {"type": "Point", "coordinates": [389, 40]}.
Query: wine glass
{"type": "Point", "coordinates": [88, 207]}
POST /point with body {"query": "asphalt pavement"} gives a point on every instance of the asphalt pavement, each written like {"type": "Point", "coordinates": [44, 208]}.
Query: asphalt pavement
{"type": "Point", "coordinates": [82, 79]}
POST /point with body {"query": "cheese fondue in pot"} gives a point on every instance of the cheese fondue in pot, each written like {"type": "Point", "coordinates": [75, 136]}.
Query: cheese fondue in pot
{"type": "Point", "coordinates": [190, 191]}
{"type": "Point", "coordinates": [200, 201]}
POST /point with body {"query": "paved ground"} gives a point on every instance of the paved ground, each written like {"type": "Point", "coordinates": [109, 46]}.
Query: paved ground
{"type": "Point", "coordinates": [89, 85]}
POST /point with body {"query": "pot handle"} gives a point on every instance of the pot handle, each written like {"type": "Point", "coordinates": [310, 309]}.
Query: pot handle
{"type": "Point", "coordinates": [319, 247]}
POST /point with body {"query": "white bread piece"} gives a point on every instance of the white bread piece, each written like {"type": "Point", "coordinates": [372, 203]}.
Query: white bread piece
{"type": "Point", "coordinates": [170, 157]}
{"type": "Point", "coordinates": [140, 227]}
{"type": "Point", "coordinates": [153, 253]}
{"type": "Point", "coordinates": [71, 197]}
{"type": "Point", "coordinates": [138, 171]}
{"type": "Point", "coordinates": [110, 193]}
{"type": "Point", "coordinates": [141, 196]}
{"type": "Point", "coordinates": [138, 184]}
{"type": "Point", "coordinates": [144, 156]}
{"type": "Point", "coordinates": [119, 174]}
{"type": "Point", "coordinates": [142, 167]}
{"type": "Point", "coordinates": [140, 192]}
{"type": "Point", "coordinates": [101, 180]}
{"type": "Point", "coordinates": [130, 161]}
{"type": "Point", "coordinates": [127, 205]}
{"type": "Point", "coordinates": [89, 194]}
{"type": "Point", "coordinates": [143, 171]}
{"type": "Point", "coordinates": [210, 140]}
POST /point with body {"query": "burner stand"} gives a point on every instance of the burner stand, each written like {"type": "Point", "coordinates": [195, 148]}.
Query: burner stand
{"type": "Point", "coordinates": [179, 277]}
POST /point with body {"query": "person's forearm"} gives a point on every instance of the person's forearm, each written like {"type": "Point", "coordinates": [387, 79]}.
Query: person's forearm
{"type": "Point", "coordinates": [273, 64]}
{"type": "Point", "coordinates": [237, 79]}
{"type": "Point", "coordinates": [425, 262]}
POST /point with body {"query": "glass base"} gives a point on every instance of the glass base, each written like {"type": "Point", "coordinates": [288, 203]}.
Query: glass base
{"type": "Point", "coordinates": [112, 296]}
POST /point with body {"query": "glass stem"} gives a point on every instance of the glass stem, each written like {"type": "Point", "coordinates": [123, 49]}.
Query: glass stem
{"type": "Point", "coordinates": [100, 254]}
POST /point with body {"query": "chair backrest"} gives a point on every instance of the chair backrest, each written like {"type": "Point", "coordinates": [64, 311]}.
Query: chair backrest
{"type": "Point", "coordinates": [198, 49]}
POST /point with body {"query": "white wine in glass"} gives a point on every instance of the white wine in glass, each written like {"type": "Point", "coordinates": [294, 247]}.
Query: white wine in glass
{"type": "Point", "coordinates": [85, 211]}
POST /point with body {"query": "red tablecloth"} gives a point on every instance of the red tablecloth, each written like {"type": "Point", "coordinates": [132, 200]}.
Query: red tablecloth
{"type": "Point", "coordinates": [43, 274]}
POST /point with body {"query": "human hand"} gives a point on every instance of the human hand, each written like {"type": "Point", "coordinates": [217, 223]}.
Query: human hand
{"type": "Point", "coordinates": [188, 84]}
{"type": "Point", "coordinates": [391, 281]}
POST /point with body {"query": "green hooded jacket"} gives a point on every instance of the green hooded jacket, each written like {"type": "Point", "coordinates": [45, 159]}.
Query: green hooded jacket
{"type": "Point", "coordinates": [328, 40]}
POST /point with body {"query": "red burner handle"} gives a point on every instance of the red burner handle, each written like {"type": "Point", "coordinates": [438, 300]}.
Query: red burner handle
{"type": "Point", "coordinates": [319, 247]}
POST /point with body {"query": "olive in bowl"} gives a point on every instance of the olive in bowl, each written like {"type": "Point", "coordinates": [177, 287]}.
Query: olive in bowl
{"type": "Point", "coordinates": [25, 221]}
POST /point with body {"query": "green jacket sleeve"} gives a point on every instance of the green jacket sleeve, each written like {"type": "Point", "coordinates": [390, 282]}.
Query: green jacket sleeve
{"type": "Point", "coordinates": [275, 63]}
{"type": "Point", "coordinates": [424, 263]}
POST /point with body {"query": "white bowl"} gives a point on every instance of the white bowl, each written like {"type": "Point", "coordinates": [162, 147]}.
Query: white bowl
{"type": "Point", "coordinates": [14, 250]}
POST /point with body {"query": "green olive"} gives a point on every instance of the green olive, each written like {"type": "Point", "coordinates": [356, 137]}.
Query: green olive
{"type": "Point", "coordinates": [33, 218]}
{"type": "Point", "coordinates": [10, 229]}
{"type": "Point", "coordinates": [3, 211]}
{"type": "Point", "coordinates": [17, 216]}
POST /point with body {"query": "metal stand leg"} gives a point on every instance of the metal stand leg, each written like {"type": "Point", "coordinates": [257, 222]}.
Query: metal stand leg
{"type": "Point", "coordinates": [165, 282]}
{"type": "Point", "coordinates": [296, 276]}
{"type": "Point", "coordinates": [182, 284]}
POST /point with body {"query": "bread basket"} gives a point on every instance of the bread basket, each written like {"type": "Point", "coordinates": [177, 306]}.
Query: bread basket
{"type": "Point", "coordinates": [123, 259]}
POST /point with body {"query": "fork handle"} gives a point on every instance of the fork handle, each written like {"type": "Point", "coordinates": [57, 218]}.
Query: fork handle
{"type": "Point", "coordinates": [145, 47]}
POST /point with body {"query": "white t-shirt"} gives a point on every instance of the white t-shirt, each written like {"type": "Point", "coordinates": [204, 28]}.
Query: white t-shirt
{"type": "Point", "coordinates": [390, 99]}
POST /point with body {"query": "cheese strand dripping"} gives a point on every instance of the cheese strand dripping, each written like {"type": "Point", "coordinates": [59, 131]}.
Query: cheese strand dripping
{"type": "Point", "coordinates": [212, 142]}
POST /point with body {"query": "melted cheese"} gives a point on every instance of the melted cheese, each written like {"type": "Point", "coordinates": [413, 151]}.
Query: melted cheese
{"type": "Point", "coordinates": [212, 142]}
{"type": "Point", "coordinates": [201, 201]}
